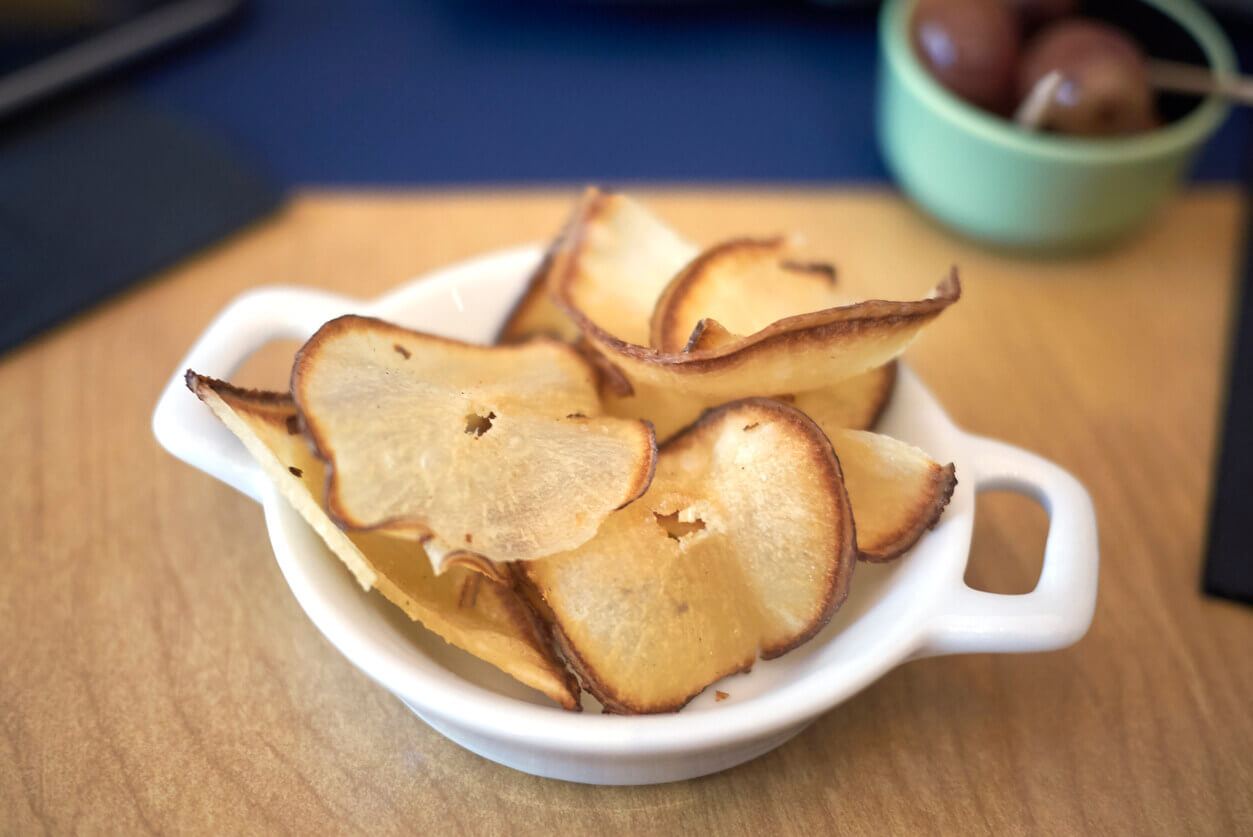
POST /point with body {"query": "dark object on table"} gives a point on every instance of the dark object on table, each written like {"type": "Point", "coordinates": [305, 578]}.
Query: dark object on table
{"type": "Point", "coordinates": [1105, 86]}
{"type": "Point", "coordinates": [1086, 76]}
{"type": "Point", "coordinates": [970, 47]}
{"type": "Point", "coordinates": [1229, 558]}
{"type": "Point", "coordinates": [97, 194]}
{"type": "Point", "coordinates": [44, 51]}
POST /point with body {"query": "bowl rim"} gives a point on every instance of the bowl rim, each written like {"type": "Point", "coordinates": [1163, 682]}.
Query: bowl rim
{"type": "Point", "coordinates": [1175, 137]}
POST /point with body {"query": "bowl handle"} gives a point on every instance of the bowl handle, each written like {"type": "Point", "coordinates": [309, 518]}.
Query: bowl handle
{"type": "Point", "coordinates": [184, 426]}
{"type": "Point", "coordinates": [1059, 610]}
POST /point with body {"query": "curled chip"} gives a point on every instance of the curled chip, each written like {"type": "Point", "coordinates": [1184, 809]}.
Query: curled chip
{"type": "Point", "coordinates": [600, 281]}
{"type": "Point", "coordinates": [743, 546]}
{"type": "Point", "coordinates": [612, 261]}
{"type": "Point", "coordinates": [500, 448]}
{"type": "Point", "coordinates": [897, 491]}
{"type": "Point", "coordinates": [745, 285]}
{"type": "Point", "coordinates": [534, 314]}
{"type": "Point", "coordinates": [708, 334]}
{"type": "Point", "coordinates": [474, 613]}
{"type": "Point", "coordinates": [855, 403]}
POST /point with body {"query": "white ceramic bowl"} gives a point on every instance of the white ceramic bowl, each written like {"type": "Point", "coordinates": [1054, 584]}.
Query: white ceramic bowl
{"type": "Point", "coordinates": [918, 606]}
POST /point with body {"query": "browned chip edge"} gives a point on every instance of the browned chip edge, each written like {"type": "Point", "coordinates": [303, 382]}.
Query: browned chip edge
{"type": "Point", "coordinates": [824, 269]}
{"type": "Point", "coordinates": [276, 401]}
{"type": "Point", "coordinates": [943, 482]}
{"type": "Point", "coordinates": [313, 433]}
{"type": "Point", "coordinates": [702, 332]}
{"type": "Point", "coordinates": [278, 405]}
{"type": "Point", "coordinates": [838, 581]}
{"type": "Point", "coordinates": [613, 703]}
{"type": "Point", "coordinates": [527, 621]}
{"type": "Point", "coordinates": [662, 322]}
{"type": "Point", "coordinates": [801, 328]}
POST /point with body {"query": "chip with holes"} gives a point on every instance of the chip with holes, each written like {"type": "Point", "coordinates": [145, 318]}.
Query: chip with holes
{"type": "Point", "coordinates": [486, 618]}
{"type": "Point", "coordinates": [897, 491]}
{"type": "Point", "coordinates": [504, 445]}
{"type": "Point", "coordinates": [742, 547]}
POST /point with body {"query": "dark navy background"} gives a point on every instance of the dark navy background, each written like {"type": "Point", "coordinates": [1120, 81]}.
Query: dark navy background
{"type": "Point", "coordinates": [460, 91]}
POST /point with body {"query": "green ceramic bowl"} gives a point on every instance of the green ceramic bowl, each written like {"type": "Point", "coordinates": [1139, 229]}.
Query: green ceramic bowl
{"type": "Point", "coordinates": [989, 179]}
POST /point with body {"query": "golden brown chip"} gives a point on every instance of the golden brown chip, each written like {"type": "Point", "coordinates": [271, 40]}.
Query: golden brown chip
{"type": "Point", "coordinates": [612, 262]}
{"type": "Point", "coordinates": [668, 411]}
{"type": "Point", "coordinates": [591, 279]}
{"type": "Point", "coordinates": [855, 403]}
{"type": "Point", "coordinates": [535, 314]}
{"type": "Point", "coordinates": [896, 491]}
{"type": "Point", "coordinates": [474, 613]}
{"type": "Point", "coordinates": [503, 445]}
{"type": "Point", "coordinates": [708, 334]}
{"type": "Point", "coordinates": [744, 285]}
{"type": "Point", "coordinates": [747, 283]}
{"type": "Point", "coordinates": [743, 546]}
{"type": "Point", "coordinates": [797, 354]}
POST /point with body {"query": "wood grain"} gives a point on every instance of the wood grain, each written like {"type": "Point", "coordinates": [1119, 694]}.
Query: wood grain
{"type": "Point", "coordinates": [157, 675]}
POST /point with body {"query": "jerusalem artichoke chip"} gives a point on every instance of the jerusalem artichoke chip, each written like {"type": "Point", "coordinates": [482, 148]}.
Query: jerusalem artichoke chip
{"type": "Point", "coordinates": [855, 403]}
{"type": "Point", "coordinates": [897, 491]}
{"type": "Point", "coordinates": [742, 547]}
{"type": "Point", "coordinates": [745, 285]}
{"type": "Point", "coordinates": [612, 261]}
{"type": "Point", "coordinates": [488, 619]}
{"type": "Point", "coordinates": [599, 278]}
{"type": "Point", "coordinates": [497, 447]}
{"type": "Point", "coordinates": [535, 314]}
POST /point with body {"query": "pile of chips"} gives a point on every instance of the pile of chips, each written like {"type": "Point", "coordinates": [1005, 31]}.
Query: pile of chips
{"type": "Point", "coordinates": [514, 498]}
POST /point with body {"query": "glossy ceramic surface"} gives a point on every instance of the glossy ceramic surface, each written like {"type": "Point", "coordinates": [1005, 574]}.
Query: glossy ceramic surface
{"type": "Point", "coordinates": [918, 606]}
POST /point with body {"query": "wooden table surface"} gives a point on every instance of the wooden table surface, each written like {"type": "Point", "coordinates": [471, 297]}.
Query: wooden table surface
{"type": "Point", "coordinates": [157, 675]}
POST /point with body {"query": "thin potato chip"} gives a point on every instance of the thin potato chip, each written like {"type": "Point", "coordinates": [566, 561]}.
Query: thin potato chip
{"type": "Point", "coordinates": [797, 354]}
{"type": "Point", "coordinates": [625, 258]}
{"type": "Point", "coordinates": [897, 492]}
{"type": "Point", "coordinates": [745, 285]}
{"type": "Point", "coordinates": [535, 314]}
{"type": "Point", "coordinates": [487, 619]}
{"type": "Point", "coordinates": [855, 403]}
{"type": "Point", "coordinates": [744, 545]}
{"type": "Point", "coordinates": [597, 279]}
{"type": "Point", "coordinates": [497, 448]}
{"type": "Point", "coordinates": [708, 334]}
